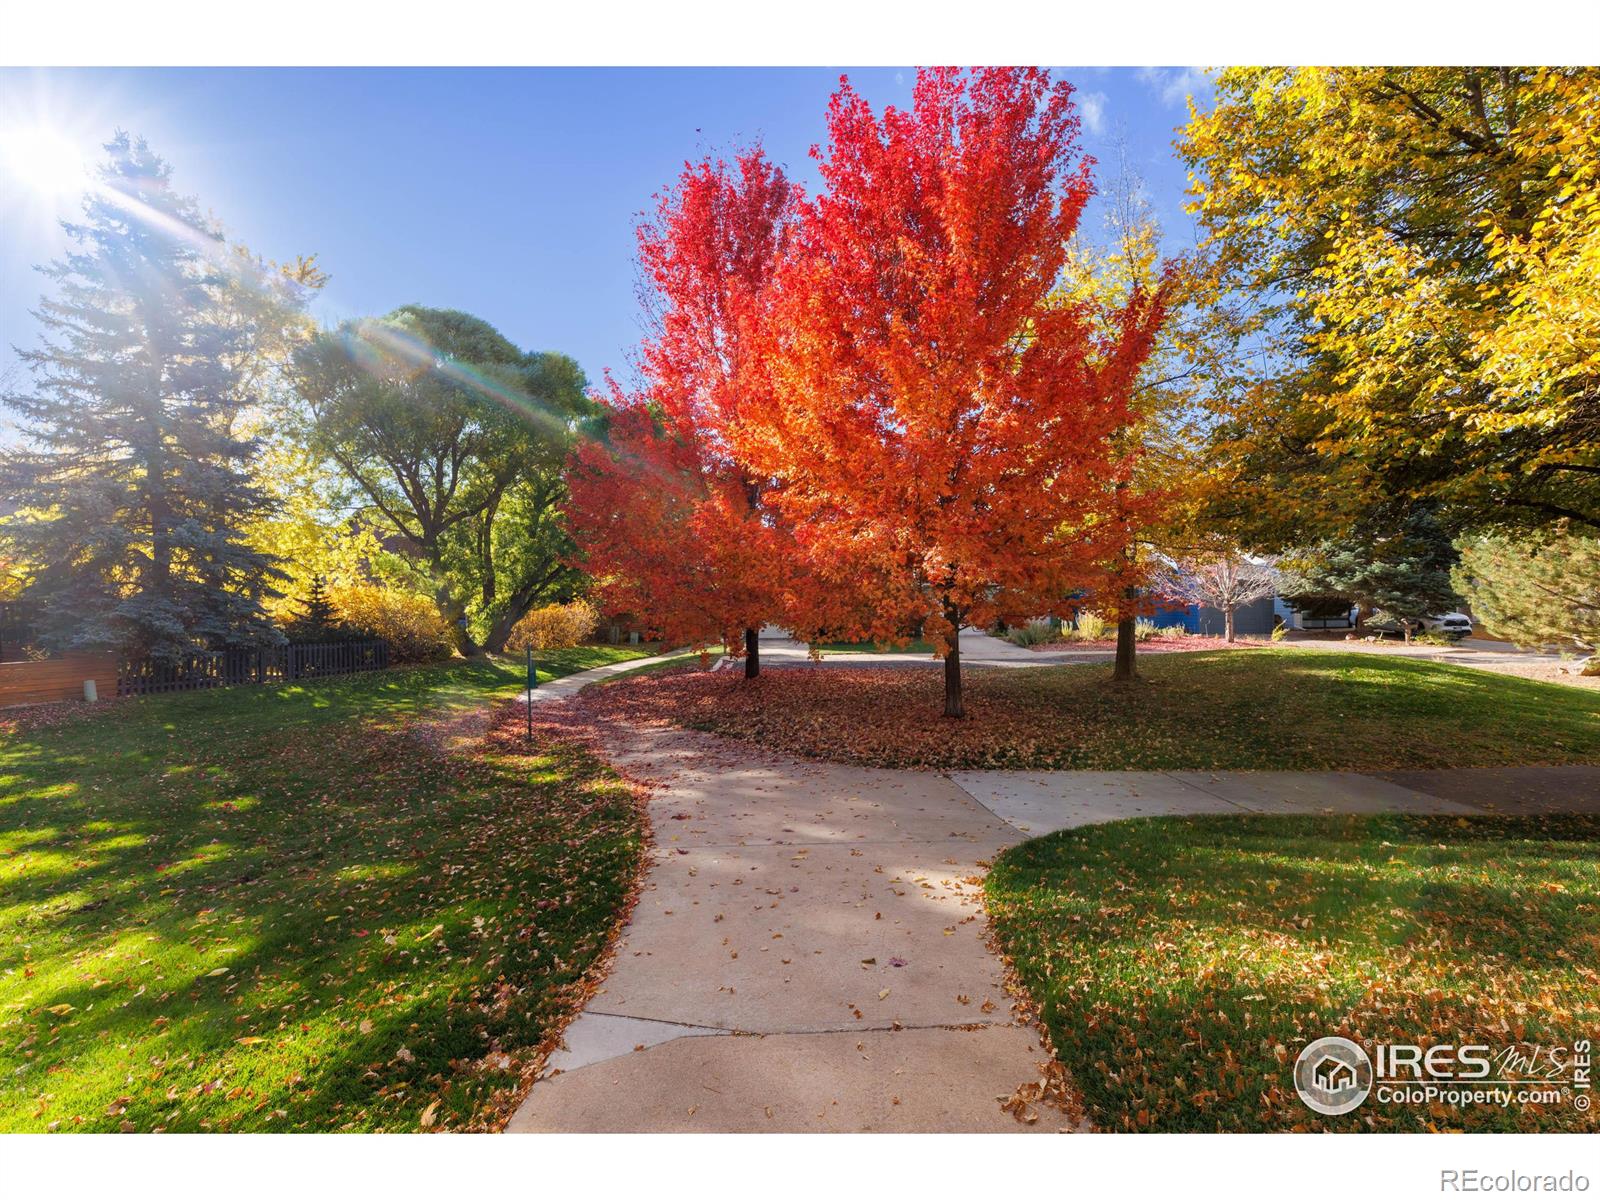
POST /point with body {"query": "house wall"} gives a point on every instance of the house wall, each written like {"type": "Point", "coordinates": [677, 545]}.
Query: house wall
{"type": "Point", "coordinates": [1185, 617]}
{"type": "Point", "coordinates": [1254, 619]}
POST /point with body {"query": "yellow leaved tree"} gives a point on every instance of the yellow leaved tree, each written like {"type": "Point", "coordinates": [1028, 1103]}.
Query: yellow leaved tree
{"type": "Point", "coordinates": [1417, 249]}
{"type": "Point", "coordinates": [1160, 498]}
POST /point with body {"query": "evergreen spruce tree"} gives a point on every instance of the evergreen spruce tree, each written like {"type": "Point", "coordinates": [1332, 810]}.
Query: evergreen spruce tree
{"type": "Point", "coordinates": [317, 620]}
{"type": "Point", "coordinates": [1540, 592]}
{"type": "Point", "coordinates": [1395, 563]}
{"type": "Point", "coordinates": [131, 484]}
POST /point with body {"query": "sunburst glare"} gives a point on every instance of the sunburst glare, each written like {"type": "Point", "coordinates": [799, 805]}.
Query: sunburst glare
{"type": "Point", "coordinates": [44, 161]}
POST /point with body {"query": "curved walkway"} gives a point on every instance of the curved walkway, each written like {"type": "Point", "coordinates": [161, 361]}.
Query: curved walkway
{"type": "Point", "coordinates": [809, 952]}
{"type": "Point", "coordinates": [978, 649]}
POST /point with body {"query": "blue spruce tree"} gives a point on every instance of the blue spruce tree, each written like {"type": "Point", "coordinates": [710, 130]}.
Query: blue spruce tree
{"type": "Point", "coordinates": [131, 484]}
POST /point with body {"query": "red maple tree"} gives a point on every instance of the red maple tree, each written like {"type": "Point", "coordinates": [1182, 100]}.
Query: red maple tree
{"type": "Point", "coordinates": [668, 539]}
{"type": "Point", "coordinates": [675, 525]}
{"type": "Point", "coordinates": [936, 420]}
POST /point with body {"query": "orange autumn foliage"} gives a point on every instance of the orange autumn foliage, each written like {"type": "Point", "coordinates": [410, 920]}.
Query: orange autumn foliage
{"type": "Point", "coordinates": [943, 432]}
{"type": "Point", "coordinates": [677, 545]}
{"type": "Point", "coordinates": [676, 527]}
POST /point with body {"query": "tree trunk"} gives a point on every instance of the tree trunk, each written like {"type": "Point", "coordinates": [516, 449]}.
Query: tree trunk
{"type": "Point", "coordinates": [486, 553]}
{"type": "Point", "coordinates": [952, 682]}
{"type": "Point", "coordinates": [952, 664]}
{"type": "Point", "coordinates": [519, 605]}
{"type": "Point", "coordinates": [752, 653]}
{"type": "Point", "coordinates": [159, 578]}
{"type": "Point", "coordinates": [1123, 671]}
{"type": "Point", "coordinates": [500, 633]}
{"type": "Point", "coordinates": [453, 611]}
{"type": "Point", "coordinates": [1227, 624]}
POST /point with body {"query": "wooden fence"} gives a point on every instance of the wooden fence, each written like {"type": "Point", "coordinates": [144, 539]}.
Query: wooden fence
{"type": "Point", "coordinates": [48, 680]}
{"type": "Point", "coordinates": [263, 664]}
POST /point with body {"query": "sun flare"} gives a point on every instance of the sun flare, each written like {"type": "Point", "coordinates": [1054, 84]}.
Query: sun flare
{"type": "Point", "coordinates": [44, 160]}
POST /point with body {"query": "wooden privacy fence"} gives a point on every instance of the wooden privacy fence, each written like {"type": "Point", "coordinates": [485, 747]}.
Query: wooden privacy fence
{"type": "Point", "coordinates": [48, 680]}
{"type": "Point", "coordinates": [253, 664]}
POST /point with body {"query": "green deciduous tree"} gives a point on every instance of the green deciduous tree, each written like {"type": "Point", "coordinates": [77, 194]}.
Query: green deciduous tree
{"type": "Point", "coordinates": [454, 439]}
{"type": "Point", "coordinates": [132, 483]}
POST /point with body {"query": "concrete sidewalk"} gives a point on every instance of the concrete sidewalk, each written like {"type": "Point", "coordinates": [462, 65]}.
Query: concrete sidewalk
{"type": "Point", "coordinates": [809, 951]}
{"type": "Point", "coordinates": [978, 649]}
{"type": "Point", "coordinates": [808, 954]}
{"type": "Point", "coordinates": [568, 686]}
{"type": "Point", "coordinates": [1039, 802]}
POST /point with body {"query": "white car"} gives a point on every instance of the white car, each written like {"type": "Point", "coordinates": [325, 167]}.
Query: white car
{"type": "Point", "coordinates": [1452, 624]}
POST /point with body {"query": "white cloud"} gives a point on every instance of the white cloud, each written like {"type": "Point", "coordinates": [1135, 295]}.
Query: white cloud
{"type": "Point", "coordinates": [1175, 84]}
{"type": "Point", "coordinates": [1092, 105]}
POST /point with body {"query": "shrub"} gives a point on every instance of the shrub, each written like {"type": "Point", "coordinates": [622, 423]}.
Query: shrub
{"type": "Point", "coordinates": [554, 626]}
{"type": "Point", "coordinates": [411, 624]}
{"type": "Point", "coordinates": [1144, 630]}
{"type": "Point", "coordinates": [1280, 631]}
{"type": "Point", "coordinates": [1037, 632]}
{"type": "Point", "coordinates": [1092, 627]}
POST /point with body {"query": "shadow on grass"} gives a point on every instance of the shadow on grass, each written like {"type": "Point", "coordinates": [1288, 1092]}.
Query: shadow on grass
{"type": "Point", "coordinates": [312, 923]}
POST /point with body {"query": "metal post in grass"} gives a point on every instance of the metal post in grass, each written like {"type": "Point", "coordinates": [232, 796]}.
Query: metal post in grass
{"type": "Point", "coordinates": [533, 681]}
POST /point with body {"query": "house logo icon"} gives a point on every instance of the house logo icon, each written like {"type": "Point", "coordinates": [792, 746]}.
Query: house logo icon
{"type": "Point", "coordinates": [1333, 1076]}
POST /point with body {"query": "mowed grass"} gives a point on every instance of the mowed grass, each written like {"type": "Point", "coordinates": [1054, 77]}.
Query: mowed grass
{"type": "Point", "coordinates": [289, 909]}
{"type": "Point", "coordinates": [1258, 708]}
{"type": "Point", "coordinates": [1182, 964]}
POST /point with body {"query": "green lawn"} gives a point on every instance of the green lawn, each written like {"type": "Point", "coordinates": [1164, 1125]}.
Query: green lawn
{"type": "Point", "coordinates": [691, 661]}
{"type": "Point", "coordinates": [1181, 964]}
{"type": "Point", "coordinates": [1259, 708]}
{"type": "Point", "coordinates": [289, 909]}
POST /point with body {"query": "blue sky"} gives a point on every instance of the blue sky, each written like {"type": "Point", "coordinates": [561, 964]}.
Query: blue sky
{"type": "Point", "coordinates": [511, 193]}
